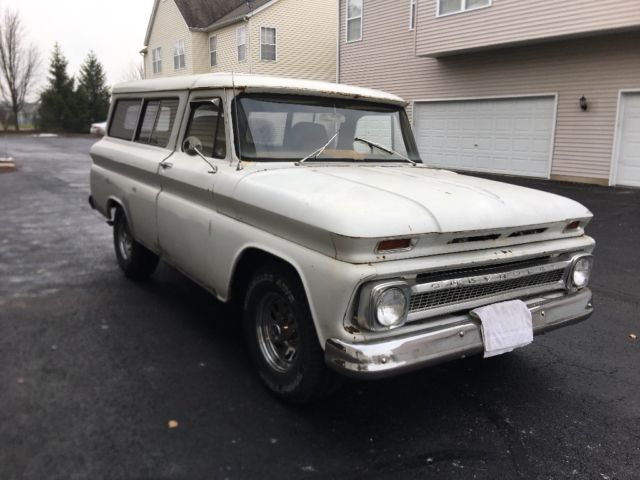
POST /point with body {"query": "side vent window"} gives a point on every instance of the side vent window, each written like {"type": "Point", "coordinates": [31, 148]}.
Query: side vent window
{"type": "Point", "coordinates": [124, 119]}
{"type": "Point", "coordinates": [157, 121]}
{"type": "Point", "coordinates": [207, 124]}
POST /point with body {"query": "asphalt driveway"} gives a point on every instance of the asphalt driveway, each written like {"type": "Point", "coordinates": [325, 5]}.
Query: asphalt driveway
{"type": "Point", "coordinates": [93, 367]}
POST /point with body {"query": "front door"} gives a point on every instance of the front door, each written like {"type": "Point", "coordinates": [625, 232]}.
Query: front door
{"type": "Point", "coordinates": [186, 209]}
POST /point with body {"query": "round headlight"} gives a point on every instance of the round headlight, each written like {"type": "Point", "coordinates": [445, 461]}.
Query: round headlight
{"type": "Point", "coordinates": [391, 307]}
{"type": "Point", "coordinates": [582, 272]}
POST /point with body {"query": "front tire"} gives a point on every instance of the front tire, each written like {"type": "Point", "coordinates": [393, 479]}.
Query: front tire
{"type": "Point", "coordinates": [136, 261]}
{"type": "Point", "coordinates": [282, 338]}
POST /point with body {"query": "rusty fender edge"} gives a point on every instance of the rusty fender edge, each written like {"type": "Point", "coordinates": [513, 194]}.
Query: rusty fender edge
{"type": "Point", "coordinates": [401, 354]}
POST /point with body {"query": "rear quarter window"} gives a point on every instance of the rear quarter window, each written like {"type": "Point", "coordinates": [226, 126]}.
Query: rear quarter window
{"type": "Point", "coordinates": [157, 122]}
{"type": "Point", "coordinates": [125, 119]}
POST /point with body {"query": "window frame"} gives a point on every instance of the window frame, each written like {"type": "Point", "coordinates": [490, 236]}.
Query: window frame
{"type": "Point", "coordinates": [198, 102]}
{"type": "Point", "coordinates": [157, 60]}
{"type": "Point", "coordinates": [143, 110]}
{"type": "Point", "coordinates": [361, 17]}
{"type": "Point", "coordinates": [463, 9]}
{"type": "Point", "coordinates": [238, 44]}
{"type": "Point", "coordinates": [214, 51]}
{"type": "Point", "coordinates": [176, 48]}
{"type": "Point", "coordinates": [413, 14]}
{"type": "Point", "coordinates": [140, 101]}
{"type": "Point", "coordinates": [275, 45]}
{"type": "Point", "coordinates": [238, 120]}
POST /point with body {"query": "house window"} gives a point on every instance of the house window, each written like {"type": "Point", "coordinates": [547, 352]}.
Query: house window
{"type": "Point", "coordinates": [156, 60]}
{"type": "Point", "coordinates": [241, 40]}
{"type": "Point", "coordinates": [178, 55]}
{"type": "Point", "coordinates": [412, 14]}
{"type": "Point", "coordinates": [354, 20]}
{"type": "Point", "coordinates": [268, 44]}
{"type": "Point", "coordinates": [446, 7]}
{"type": "Point", "coordinates": [213, 50]}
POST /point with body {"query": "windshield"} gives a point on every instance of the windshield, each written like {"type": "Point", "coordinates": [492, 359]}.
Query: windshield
{"type": "Point", "coordinates": [291, 128]}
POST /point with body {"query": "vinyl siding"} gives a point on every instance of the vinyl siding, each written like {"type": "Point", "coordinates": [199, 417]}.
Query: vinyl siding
{"type": "Point", "coordinates": [306, 43]}
{"type": "Point", "coordinates": [519, 21]}
{"type": "Point", "coordinates": [306, 39]}
{"type": "Point", "coordinates": [228, 51]}
{"type": "Point", "coordinates": [597, 67]}
{"type": "Point", "coordinates": [168, 27]}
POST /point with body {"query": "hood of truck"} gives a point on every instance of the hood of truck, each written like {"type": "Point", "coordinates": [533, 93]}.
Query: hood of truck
{"type": "Point", "coordinates": [375, 202]}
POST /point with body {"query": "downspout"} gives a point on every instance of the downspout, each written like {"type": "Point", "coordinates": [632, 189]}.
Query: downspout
{"type": "Point", "coordinates": [247, 21]}
{"type": "Point", "coordinates": [338, 46]}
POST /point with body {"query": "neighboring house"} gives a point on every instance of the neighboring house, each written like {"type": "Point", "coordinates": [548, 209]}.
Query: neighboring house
{"type": "Point", "coordinates": [522, 87]}
{"type": "Point", "coordinates": [292, 38]}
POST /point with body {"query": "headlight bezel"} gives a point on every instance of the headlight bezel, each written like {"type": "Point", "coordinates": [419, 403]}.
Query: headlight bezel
{"type": "Point", "coordinates": [571, 276]}
{"type": "Point", "coordinates": [369, 301]}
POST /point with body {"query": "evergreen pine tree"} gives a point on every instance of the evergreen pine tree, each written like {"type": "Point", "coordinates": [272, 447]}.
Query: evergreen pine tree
{"type": "Point", "coordinates": [93, 94]}
{"type": "Point", "coordinates": [59, 109]}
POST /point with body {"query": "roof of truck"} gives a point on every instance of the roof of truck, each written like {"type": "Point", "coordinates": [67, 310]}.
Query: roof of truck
{"type": "Point", "coordinates": [255, 83]}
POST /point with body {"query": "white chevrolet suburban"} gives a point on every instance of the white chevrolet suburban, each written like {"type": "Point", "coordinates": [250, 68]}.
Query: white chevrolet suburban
{"type": "Point", "coordinates": [307, 204]}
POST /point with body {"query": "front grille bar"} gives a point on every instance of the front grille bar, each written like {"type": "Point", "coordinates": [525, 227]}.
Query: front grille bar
{"type": "Point", "coordinates": [465, 292]}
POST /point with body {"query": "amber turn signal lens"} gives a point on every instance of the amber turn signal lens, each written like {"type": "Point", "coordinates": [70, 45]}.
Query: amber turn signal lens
{"type": "Point", "coordinates": [395, 244]}
{"type": "Point", "coordinates": [572, 225]}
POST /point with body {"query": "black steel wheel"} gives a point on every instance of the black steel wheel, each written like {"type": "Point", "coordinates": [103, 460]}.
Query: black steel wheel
{"type": "Point", "coordinates": [136, 261]}
{"type": "Point", "coordinates": [282, 338]}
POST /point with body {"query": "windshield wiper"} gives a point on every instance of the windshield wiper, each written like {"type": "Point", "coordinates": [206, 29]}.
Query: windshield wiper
{"type": "Point", "coordinates": [316, 153]}
{"type": "Point", "coordinates": [384, 149]}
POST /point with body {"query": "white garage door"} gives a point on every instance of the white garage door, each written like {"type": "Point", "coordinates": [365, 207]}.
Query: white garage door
{"type": "Point", "coordinates": [510, 136]}
{"type": "Point", "coordinates": [628, 171]}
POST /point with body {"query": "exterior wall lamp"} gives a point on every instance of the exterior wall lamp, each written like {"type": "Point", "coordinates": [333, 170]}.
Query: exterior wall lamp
{"type": "Point", "coordinates": [584, 105]}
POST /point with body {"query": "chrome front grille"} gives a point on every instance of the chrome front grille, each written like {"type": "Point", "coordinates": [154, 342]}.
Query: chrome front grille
{"type": "Point", "coordinates": [455, 293]}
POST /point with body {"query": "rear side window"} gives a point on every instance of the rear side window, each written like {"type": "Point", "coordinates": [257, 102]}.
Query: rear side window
{"type": "Point", "coordinates": [207, 123]}
{"type": "Point", "coordinates": [157, 121]}
{"type": "Point", "coordinates": [124, 119]}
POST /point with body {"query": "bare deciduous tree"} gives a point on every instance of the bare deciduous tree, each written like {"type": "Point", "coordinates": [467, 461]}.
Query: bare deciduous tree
{"type": "Point", "coordinates": [134, 72]}
{"type": "Point", "coordinates": [18, 63]}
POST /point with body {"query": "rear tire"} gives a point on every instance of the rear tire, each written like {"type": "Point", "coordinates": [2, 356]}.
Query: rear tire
{"type": "Point", "coordinates": [136, 261]}
{"type": "Point", "coordinates": [282, 338]}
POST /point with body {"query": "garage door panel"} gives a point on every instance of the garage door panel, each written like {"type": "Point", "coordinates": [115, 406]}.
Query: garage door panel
{"type": "Point", "coordinates": [512, 136]}
{"type": "Point", "coordinates": [628, 168]}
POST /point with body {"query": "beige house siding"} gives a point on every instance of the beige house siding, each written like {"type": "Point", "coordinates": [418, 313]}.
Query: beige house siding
{"type": "Point", "coordinates": [597, 67]}
{"type": "Point", "coordinates": [168, 27]}
{"type": "Point", "coordinates": [306, 41]}
{"type": "Point", "coordinates": [228, 50]}
{"type": "Point", "coordinates": [519, 21]}
{"type": "Point", "coordinates": [200, 52]}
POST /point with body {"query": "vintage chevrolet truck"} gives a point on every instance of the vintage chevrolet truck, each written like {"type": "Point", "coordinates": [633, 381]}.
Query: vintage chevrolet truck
{"type": "Point", "coordinates": [307, 205]}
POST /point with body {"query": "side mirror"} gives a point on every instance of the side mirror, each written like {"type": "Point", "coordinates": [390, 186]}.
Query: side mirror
{"type": "Point", "coordinates": [192, 146]}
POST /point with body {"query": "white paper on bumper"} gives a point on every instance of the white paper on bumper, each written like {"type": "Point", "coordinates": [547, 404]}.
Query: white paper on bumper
{"type": "Point", "coordinates": [505, 326]}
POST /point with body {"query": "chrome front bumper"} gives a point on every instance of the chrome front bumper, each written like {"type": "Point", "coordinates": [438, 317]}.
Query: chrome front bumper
{"type": "Point", "coordinates": [399, 354]}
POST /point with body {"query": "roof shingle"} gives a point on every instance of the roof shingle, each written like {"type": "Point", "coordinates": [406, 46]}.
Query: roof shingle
{"type": "Point", "coordinates": [204, 13]}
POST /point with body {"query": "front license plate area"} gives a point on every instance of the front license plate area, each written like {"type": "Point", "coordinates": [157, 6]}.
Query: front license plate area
{"type": "Point", "coordinates": [505, 326]}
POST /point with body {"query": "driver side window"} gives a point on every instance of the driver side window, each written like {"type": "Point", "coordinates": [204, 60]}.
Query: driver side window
{"type": "Point", "coordinates": [206, 122]}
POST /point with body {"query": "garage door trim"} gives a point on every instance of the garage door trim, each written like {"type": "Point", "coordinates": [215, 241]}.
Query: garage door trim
{"type": "Point", "coordinates": [554, 120]}
{"type": "Point", "coordinates": [617, 134]}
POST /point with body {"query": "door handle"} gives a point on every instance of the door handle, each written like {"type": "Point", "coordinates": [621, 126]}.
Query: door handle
{"type": "Point", "coordinates": [166, 165]}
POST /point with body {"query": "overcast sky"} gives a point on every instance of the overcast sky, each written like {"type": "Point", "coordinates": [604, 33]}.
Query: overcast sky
{"type": "Point", "coordinates": [113, 29]}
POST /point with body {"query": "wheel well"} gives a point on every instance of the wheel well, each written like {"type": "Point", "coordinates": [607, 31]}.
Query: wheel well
{"type": "Point", "coordinates": [251, 260]}
{"type": "Point", "coordinates": [112, 206]}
